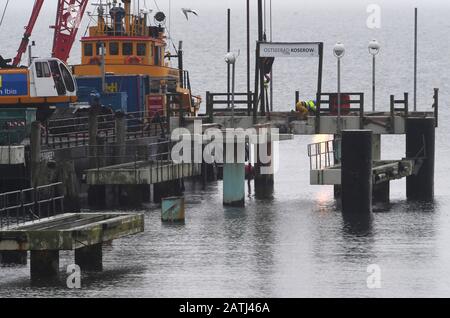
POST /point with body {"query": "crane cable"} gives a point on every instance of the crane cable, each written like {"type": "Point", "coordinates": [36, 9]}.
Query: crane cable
{"type": "Point", "coordinates": [4, 12]}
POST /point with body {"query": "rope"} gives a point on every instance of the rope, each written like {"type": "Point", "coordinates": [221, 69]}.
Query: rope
{"type": "Point", "coordinates": [4, 12]}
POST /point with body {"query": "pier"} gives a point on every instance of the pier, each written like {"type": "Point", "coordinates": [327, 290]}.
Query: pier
{"type": "Point", "coordinates": [82, 232]}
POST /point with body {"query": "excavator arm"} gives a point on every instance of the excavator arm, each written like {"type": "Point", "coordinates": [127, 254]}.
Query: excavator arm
{"type": "Point", "coordinates": [68, 19]}
{"type": "Point", "coordinates": [28, 30]}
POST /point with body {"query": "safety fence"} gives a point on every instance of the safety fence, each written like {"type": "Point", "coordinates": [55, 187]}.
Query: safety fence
{"type": "Point", "coordinates": [32, 204]}
{"type": "Point", "coordinates": [324, 154]}
{"type": "Point", "coordinates": [224, 101]}
{"type": "Point", "coordinates": [156, 158]}
{"type": "Point", "coordinates": [74, 132]}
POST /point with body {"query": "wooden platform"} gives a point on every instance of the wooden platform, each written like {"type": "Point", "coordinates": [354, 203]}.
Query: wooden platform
{"type": "Point", "coordinates": [70, 231]}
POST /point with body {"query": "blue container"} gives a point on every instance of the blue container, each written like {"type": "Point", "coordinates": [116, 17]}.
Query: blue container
{"type": "Point", "coordinates": [13, 84]}
{"type": "Point", "coordinates": [136, 87]}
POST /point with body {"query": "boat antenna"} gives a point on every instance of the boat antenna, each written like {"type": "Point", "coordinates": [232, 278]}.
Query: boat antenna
{"type": "Point", "coordinates": [4, 12]}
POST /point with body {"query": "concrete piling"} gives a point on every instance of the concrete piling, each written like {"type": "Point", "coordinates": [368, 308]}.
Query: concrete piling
{"type": "Point", "coordinates": [89, 258]}
{"type": "Point", "coordinates": [264, 180]}
{"type": "Point", "coordinates": [356, 172]}
{"type": "Point", "coordinates": [234, 184]}
{"type": "Point", "coordinates": [44, 264]}
{"type": "Point", "coordinates": [420, 144]}
{"type": "Point", "coordinates": [172, 209]}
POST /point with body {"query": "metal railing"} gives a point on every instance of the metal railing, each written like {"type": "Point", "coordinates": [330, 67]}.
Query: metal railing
{"type": "Point", "coordinates": [32, 204]}
{"type": "Point", "coordinates": [324, 154]}
{"type": "Point", "coordinates": [153, 157]}
{"type": "Point", "coordinates": [74, 132]}
{"type": "Point", "coordinates": [331, 99]}
{"type": "Point", "coordinates": [213, 99]}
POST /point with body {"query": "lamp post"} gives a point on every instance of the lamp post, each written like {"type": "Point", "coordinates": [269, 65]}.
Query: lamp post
{"type": "Point", "coordinates": [230, 59]}
{"type": "Point", "coordinates": [374, 49]}
{"type": "Point", "coordinates": [339, 51]}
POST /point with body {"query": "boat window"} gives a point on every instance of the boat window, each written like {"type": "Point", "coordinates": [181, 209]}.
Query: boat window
{"type": "Point", "coordinates": [67, 77]}
{"type": "Point", "coordinates": [56, 74]}
{"type": "Point", "coordinates": [88, 49]}
{"type": "Point", "coordinates": [127, 48]}
{"type": "Point", "coordinates": [113, 48]}
{"type": "Point", "coordinates": [157, 55]}
{"type": "Point", "coordinates": [141, 49]}
{"type": "Point", "coordinates": [155, 87]}
{"type": "Point", "coordinates": [42, 69]}
{"type": "Point", "coordinates": [99, 46]}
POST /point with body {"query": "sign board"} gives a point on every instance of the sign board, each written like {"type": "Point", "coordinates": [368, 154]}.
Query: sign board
{"type": "Point", "coordinates": [156, 104]}
{"type": "Point", "coordinates": [277, 50]}
{"type": "Point", "coordinates": [13, 85]}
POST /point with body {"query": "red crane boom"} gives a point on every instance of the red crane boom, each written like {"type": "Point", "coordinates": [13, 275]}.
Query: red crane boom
{"type": "Point", "coordinates": [68, 19]}
{"type": "Point", "coordinates": [28, 30]}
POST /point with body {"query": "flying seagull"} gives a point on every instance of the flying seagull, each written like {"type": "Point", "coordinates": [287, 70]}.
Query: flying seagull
{"type": "Point", "coordinates": [186, 11]}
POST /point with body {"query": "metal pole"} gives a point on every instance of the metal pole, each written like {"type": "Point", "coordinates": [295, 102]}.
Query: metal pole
{"type": "Point", "coordinates": [373, 84]}
{"type": "Point", "coordinates": [339, 95]}
{"type": "Point", "coordinates": [271, 72]}
{"type": "Point", "coordinates": [232, 94]}
{"type": "Point", "coordinates": [248, 57]}
{"type": "Point", "coordinates": [415, 59]}
{"type": "Point", "coordinates": [228, 50]}
{"type": "Point", "coordinates": [103, 67]}
{"type": "Point", "coordinates": [260, 71]}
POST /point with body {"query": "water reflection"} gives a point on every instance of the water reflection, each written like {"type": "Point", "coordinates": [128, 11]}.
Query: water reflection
{"type": "Point", "coordinates": [357, 224]}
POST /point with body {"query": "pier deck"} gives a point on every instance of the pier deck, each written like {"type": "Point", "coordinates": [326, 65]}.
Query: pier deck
{"type": "Point", "coordinates": [142, 172]}
{"type": "Point", "coordinates": [70, 231]}
{"type": "Point", "coordinates": [82, 232]}
{"type": "Point", "coordinates": [382, 171]}
{"type": "Point", "coordinates": [379, 123]}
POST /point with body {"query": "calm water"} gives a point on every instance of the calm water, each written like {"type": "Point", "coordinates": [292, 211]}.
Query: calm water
{"type": "Point", "coordinates": [297, 243]}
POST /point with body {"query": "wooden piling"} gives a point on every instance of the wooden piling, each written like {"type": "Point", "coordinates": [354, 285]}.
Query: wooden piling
{"type": "Point", "coordinates": [89, 258]}
{"type": "Point", "coordinates": [44, 264]}
{"type": "Point", "coordinates": [35, 152]}
{"type": "Point", "coordinates": [121, 135]}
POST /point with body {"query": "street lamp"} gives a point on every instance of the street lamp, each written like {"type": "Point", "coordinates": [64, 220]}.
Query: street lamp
{"type": "Point", "coordinates": [374, 49]}
{"type": "Point", "coordinates": [339, 52]}
{"type": "Point", "coordinates": [230, 59]}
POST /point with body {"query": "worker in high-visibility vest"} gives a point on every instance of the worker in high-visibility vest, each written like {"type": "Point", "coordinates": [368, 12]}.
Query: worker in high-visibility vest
{"type": "Point", "coordinates": [302, 109]}
{"type": "Point", "coordinates": [311, 105]}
